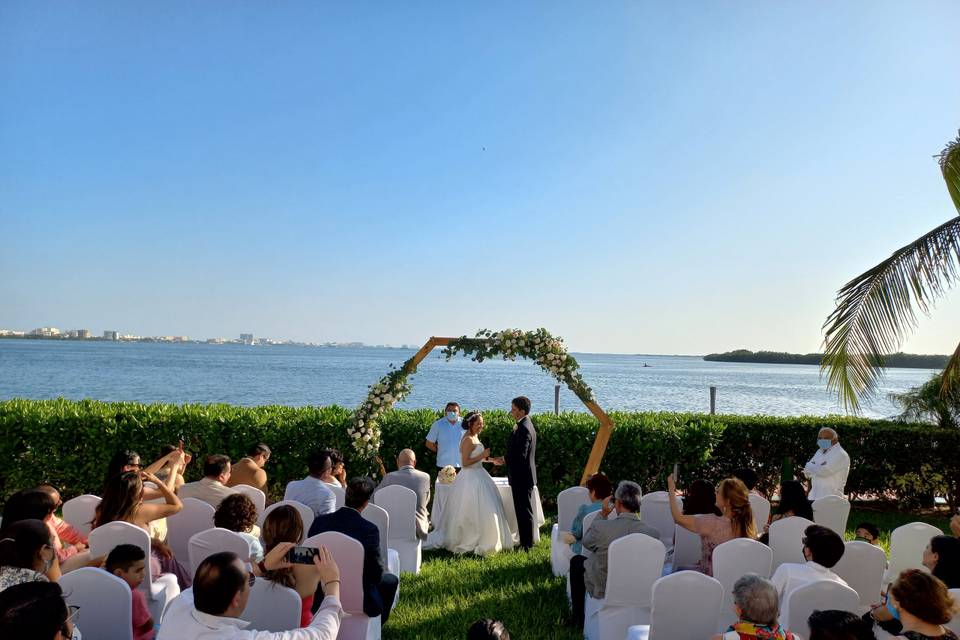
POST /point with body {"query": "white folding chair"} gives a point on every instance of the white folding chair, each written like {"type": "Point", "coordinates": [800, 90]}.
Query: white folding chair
{"type": "Point", "coordinates": [348, 554]}
{"type": "Point", "coordinates": [339, 493]}
{"type": "Point", "coordinates": [158, 589]}
{"type": "Point", "coordinates": [379, 516]}
{"type": "Point", "coordinates": [635, 562]}
{"type": "Point", "coordinates": [862, 567]}
{"type": "Point", "coordinates": [820, 595]}
{"type": "Point", "coordinates": [196, 516]}
{"type": "Point", "coordinates": [907, 543]}
{"type": "Point", "coordinates": [655, 511]}
{"type": "Point", "coordinates": [401, 504]}
{"type": "Point", "coordinates": [104, 601]}
{"type": "Point", "coordinates": [206, 543]}
{"type": "Point", "coordinates": [569, 502]}
{"type": "Point", "coordinates": [832, 512]}
{"type": "Point", "coordinates": [672, 617]}
{"type": "Point", "coordinates": [954, 625]}
{"type": "Point", "coordinates": [761, 511]}
{"type": "Point", "coordinates": [733, 559]}
{"type": "Point", "coordinates": [306, 513]}
{"type": "Point", "coordinates": [259, 497]}
{"type": "Point", "coordinates": [786, 540]}
{"type": "Point", "coordinates": [78, 512]}
{"type": "Point", "coordinates": [272, 607]}
{"type": "Point", "coordinates": [687, 548]}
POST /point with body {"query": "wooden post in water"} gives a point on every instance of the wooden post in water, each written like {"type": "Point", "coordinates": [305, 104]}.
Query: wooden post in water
{"type": "Point", "coordinates": [713, 400]}
{"type": "Point", "coordinates": [556, 399]}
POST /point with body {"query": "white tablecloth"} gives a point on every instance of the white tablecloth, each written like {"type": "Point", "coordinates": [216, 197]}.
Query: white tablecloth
{"type": "Point", "coordinates": [441, 491]}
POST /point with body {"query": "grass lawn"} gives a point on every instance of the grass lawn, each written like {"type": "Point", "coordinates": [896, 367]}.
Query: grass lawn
{"type": "Point", "coordinates": [452, 592]}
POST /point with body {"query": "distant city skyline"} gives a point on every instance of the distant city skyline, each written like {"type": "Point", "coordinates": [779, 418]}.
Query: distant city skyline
{"type": "Point", "coordinates": [636, 178]}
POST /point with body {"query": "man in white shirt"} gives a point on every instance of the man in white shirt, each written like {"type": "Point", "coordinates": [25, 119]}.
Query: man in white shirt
{"type": "Point", "coordinates": [211, 609]}
{"type": "Point", "coordinates": [822, 548]}
{"type": "Point", "coordinates": [828, 468]}
{"type": "Point", "coordinates": [445, 435]}
{"type": "Point", "coordinates": [312, 490]}
{"type": "Point", "coordinates": [212, 488]}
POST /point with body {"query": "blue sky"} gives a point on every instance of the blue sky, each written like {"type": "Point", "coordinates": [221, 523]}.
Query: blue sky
{"type": "Point", "coordinates": [636, 177]}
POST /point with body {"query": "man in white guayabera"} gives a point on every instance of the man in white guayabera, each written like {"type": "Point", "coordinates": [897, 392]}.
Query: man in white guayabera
{"type": "Point", "coordinates": [828, 468]}
{"type": "Point", "coordinates": [445, 435]}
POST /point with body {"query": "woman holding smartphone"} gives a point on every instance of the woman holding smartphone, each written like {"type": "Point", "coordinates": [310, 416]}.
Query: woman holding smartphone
{"type": "Point", "coordinates": [284, 525]}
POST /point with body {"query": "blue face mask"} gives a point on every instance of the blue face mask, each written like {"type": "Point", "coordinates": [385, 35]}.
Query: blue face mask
{"type": "Point", "coordinates": [893, 610]}
{"type": "Point", "coordinates": [824, 444]}
{"type": "Point", "coordinates": [452, 416]}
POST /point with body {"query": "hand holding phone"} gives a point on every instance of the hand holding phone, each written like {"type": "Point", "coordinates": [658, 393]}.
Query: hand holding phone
{"type": "Point", "coordinates": [676, 472]}
{"type": "Point", "coordinates": [302, 555]}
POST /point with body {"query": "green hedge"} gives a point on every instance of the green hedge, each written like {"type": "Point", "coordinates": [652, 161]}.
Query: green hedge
{"type": "Point", "coordinates": [69, 443]}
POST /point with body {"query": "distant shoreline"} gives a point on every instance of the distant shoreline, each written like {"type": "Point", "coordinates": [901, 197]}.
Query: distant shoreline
{"type": "Point", "coordinates": [894, 360]}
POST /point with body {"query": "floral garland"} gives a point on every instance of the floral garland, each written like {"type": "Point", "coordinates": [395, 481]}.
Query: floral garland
{"type": "Point", "coordinates": [541, 347]}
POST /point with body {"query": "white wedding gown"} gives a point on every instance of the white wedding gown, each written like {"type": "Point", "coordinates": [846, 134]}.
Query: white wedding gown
{"type": "Point", "coordinates": [473, 517]}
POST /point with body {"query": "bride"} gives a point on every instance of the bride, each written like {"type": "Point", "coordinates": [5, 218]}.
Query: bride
{"type": "Point", "coordinates": [473, 519]}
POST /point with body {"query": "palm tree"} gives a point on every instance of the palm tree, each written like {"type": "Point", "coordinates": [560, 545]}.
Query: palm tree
{"type": "Point", "coordinates": [877, 309]}
{"type": "Point", "coordinates": [927, 404]}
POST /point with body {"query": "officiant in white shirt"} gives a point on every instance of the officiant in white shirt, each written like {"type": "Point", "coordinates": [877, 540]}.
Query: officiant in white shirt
{"type": "Point", "coordinates": [828, 468]}
{"type": "Point", "coordinates": [445, 435]}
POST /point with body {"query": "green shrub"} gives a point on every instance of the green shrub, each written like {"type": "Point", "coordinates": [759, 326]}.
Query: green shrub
{"type": "Point", "coordinates": [69, 444]}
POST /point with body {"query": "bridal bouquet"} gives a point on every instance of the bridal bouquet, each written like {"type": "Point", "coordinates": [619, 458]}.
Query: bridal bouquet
{"type": "Point", "coordinates": [447, 475]}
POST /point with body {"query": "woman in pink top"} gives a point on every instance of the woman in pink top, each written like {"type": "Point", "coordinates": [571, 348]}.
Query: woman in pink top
{"type": "Point", "coordinates": [736, 520]}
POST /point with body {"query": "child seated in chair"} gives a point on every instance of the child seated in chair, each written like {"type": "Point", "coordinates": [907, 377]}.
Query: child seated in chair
{"type": "Point", "coordinates": [129, 563]}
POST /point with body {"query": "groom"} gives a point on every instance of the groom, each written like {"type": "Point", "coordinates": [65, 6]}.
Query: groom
{"type": "Point", "coordinates": [522, 468]}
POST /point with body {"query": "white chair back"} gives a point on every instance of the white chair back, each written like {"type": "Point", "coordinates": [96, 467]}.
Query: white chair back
{"type": "Point", "coordinates": [820, 595]}
{"type": "Point", "coordinates": [655, 511]}
{"type": "Point", "coordinates": [733, 559]}
{"type": "Point", "coordinates": [587, 521]}
{"type": "Point", "coordinates": [862, 567]}
{"type": "Point", "coordinates": [258, 497]}
{"type": "Point", "coordinates": [786, 540]}
{"type": "Point", "coordinates": [379, 516]}
{"type": "Point", "coordinates": [687, 548]}
{"type": "Point", "coordinates": [569, 502]}
{"type": "Point", "coordinates": [272, 607]}
{"type": "Point", "coordinates": [761, 511]}
{"type": "Point", "coordinates": [672, 617]}
{"type": "Point", "coordinates": [954, 625]}
{"type": "Point", "coordinates": [635, 562]}
{"type": "Point", "coordinates": [79, 512]}
{"type": "Point", "coordinates": [339, 493]}
{"type": "Point", "coordinates": [306, 513]}
{"type": "Point", "coordinates": [196, 516]}
{"type": "Point", "coordinates": [401, 504]}
{"type": "Point", "coordinates": [104, 601]}
{"type": "Point", "coordinates": [348, 554]}
{"type": "Point", "coordinates": [206, 543]}
{"type": "Point", "coordinates": [832, 512]}
{"type": "Point", "coordinates": [907, 543]}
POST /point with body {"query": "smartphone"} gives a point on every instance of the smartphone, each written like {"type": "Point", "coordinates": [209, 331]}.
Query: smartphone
{"type": "Point", "coordinates": [302, 555]}
{"type": "Point", "coordinates": [676, 472]}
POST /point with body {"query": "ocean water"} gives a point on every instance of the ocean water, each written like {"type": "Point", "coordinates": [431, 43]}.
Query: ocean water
{"type": "Point", "coordinates": [246, 375]}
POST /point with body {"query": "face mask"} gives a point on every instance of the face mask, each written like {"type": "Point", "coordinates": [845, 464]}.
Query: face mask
{"type": "Point", "coordinates": [452, 416]}
{"type": "Point", "coordinates": [892, 610]}
{"type": "Point", "coordinates": [824, 444]}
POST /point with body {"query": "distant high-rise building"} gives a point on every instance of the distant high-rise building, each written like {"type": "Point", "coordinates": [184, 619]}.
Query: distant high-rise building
{"type": "Point", "coordinates": [79, 333]}
{"type": "Point", "coordinates": [111, 335]}
{"type": "Point", "coordinates": [246, 338]}
{"type": "Point", "coordinates": [46, 332]}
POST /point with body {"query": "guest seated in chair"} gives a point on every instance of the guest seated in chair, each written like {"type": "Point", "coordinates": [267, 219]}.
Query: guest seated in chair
{"type": "Point", "coordinates": [749, 478]}
{"type": "Point", "coordinates": [700, 498]}
{"type": "Point", "coordinates": [600, 489]}
{"type": "Point", "coordinates": [921, 604]}
{"type": "Point", "coordinates": [128, 562]}
{"type": "Point", "coordinates": [756, 604]}
{"type": "Point", "coordinates": [40, 504]}
{"type": "Point", "coordinates": [35, 610]}
{"type": "Point", "coordinates": [793, 502]}
{"type": "Point", "coordinates": [249, 470]}
{"type": "Point", "coordinates": [282, 526]}
{"type": "Point", "coordinates": [212, 487]}
{"type": "Point", "coordinates": [589, 575]}
{"type": "Point", "coordinates": [312, 490]}
{"type": "Point", "coordinates": [838, 625]}
{"type": "Point", "coordinates": [237, 513]}
{"type": "Point", "coordinates": [27, 555]}
{"type": "Point", "coordinates": [379, 587]}
{"type": "Point", "coordinates": [408, 476]}
{"type": "Point", "coordinates": [823, 549]}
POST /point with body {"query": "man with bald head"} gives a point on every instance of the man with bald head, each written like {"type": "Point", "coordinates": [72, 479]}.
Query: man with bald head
{"type": "Point", "coordinates": [408, 476]}
{"type": "Point", "coordinates": [828, 468]}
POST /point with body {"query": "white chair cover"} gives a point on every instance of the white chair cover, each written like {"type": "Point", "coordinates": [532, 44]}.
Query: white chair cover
{"type": "Point", "coordinates": [568, 503]}
{"type": "Point", "coordinates": [672, 617]}
{"type": "Point", "coordinates": [832, 512]}
{"type": "Point", "coordinates": [907, 543]}
{"type": "Point", "coordinates": [819, 595]}
{"type": "Point", "coordinates": [655, 511]}
{"type": "Point", "coordinates": [733, 559]}
{"type": "Point", "coordinates": [761, 511]}
{"type": "Point", "coordinates": [862, 567]}
{"type": "Point", "coordinates": [339, 493]}
{"type": "Point", "coordinates": [954, 625]}
{"type": "Point", "coordinates": [401, 504]}
{"type": "Point", "coordinates": [348, 554]}
{"type": "Point", "coordinates": [687, 548]}
{"type": "Point", "coordinates": [104, 601]}
{"type": "Point", "coordinates": [635, 563]}
{"type": "Point", "coordinates": [272, 607]}
{"type": "Point", "coordinates": [786, 540]}
{"type": "Point", "coordinates": [196, 516]}
{"type": "Point", "coordinates": [259, 497]}
{"type": "Point", "coordinates": [380, 517]}
{"type": "Point", "coordinates": [306, 513]}
{"type": "Point", "coordinates": [158, 589]}
{"type": "Point", "coordinates": [206, 543]}
{"type": "Point", "coordinates": [587, 522]}
{"type": "Point", "coordinates": [78, 512]}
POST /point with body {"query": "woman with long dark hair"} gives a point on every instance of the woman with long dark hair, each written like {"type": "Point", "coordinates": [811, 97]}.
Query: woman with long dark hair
{"type": "Point", "coordinates": [27, 554]}
{"type": "Point", "coordinates": [284, 524]}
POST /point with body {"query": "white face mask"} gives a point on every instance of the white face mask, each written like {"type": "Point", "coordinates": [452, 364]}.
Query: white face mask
{"type": "Point", "coordinates": [452, 416]}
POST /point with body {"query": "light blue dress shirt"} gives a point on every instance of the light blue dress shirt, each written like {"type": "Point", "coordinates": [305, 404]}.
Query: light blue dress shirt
{"type": "Point", "coordinates": [447, 436]}
{"type": "Point", "coordinates": [314, 493]}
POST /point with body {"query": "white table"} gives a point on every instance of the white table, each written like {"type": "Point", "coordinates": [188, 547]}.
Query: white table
{"type": "Point", "coordinates": [441, 491]}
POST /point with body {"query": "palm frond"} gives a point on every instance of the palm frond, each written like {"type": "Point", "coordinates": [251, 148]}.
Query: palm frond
{"type": "Point", "coordinates": [950, 385]}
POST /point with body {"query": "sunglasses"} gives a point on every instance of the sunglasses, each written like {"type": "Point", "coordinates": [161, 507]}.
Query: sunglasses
{"type": "Point", "coordinates": [251, 579]}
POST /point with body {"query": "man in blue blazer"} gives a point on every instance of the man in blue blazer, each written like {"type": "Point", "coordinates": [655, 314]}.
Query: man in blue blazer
{"type": "Point", "coordinates": [379, 587]}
